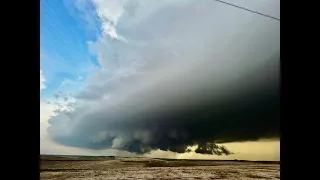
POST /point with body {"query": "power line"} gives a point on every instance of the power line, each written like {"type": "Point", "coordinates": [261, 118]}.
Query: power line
{"type": "Point", "coordinates": [248, 10]}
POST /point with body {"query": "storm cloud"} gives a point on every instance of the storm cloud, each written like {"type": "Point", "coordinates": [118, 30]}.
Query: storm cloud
{"type": "Point", "coordinates": [177, 74]}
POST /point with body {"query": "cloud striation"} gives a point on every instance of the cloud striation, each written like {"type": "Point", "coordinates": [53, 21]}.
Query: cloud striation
{"type": "Point", "coordinates": [188, 73]}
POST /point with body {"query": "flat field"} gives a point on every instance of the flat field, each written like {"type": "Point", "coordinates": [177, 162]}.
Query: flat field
{"type": "Point", "coordinates": [96, 168]}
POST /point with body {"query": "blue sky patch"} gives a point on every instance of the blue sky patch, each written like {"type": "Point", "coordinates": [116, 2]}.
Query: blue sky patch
{"type": "Point", "coordinates": [65, 29]}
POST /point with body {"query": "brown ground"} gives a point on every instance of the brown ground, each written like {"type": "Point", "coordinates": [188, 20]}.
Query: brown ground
{"type": "Point", "coordinates": [88, 168]}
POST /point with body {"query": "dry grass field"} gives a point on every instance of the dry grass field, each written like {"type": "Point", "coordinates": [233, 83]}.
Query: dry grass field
{"type": "Point", "coordinates": [95, 168]}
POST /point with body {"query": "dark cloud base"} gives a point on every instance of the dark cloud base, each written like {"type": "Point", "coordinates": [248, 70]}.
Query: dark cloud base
{"type": "Point", "coordinates": [202, 119]}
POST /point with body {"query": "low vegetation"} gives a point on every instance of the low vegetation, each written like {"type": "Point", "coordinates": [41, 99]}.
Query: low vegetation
{"type": "Point", "coordinates": [91, 168]}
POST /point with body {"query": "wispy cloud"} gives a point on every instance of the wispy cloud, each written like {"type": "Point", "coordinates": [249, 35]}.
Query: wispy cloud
{"type": "Point", "coordinates": [83, 11]}
{"type": "Point", "coordinates": [42, 80]}
{"type": "Point", "coordinates": [109, 13]}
